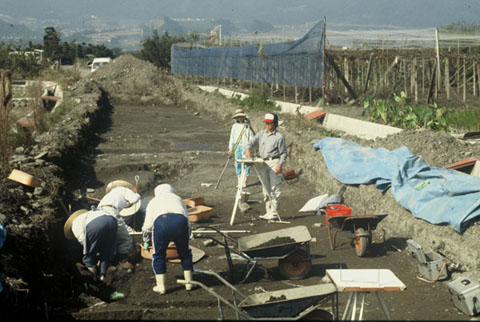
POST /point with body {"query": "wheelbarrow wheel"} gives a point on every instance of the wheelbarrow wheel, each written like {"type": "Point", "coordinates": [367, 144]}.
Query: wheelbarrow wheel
{"type": "Point", "coordinates": [295, 266]}
{"type": "Point", "coordinates": [361, 242]}
{"type": "Point", "coordinates": [320, 315]}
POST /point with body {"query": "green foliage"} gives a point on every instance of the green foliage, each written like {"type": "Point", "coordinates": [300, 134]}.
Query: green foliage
{"type": "Point", "coordinates": [157, 50]}
{"type": "Point", "coordinates": [257, 101]}
{"type": "Point", "coordinates": [463, 26]}
{"type": "Point", "coordinates": [261, 54]}
{"type": "Point", "coordinates": [399, 114]}
{"type": "Point", "coordinates": [51, 43]}
{"type": "Point", "coordinates": [466, 120]}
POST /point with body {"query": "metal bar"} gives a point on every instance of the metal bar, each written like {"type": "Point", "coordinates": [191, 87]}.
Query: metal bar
{"type": "Point", "coordinates": [223, 171]}
{"type": "Point", "coordinates": [354, 306]}
{"type": "Point", "coordinates": [360, 315]}
{"type": "Point", "coordinates": [222, 231]}
{"type": "Point", "coordinates": [238, 195]}
{"type": "Point", "coordinates": [384, 306]}
{"type": "Point", "coordinates": [345, 312]}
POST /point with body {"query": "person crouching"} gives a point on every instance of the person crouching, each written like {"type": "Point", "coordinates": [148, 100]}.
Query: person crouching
{"type": "Point", "coordinates": [99, 230]}
{"type": "Point", "coordinates": [166, 219]}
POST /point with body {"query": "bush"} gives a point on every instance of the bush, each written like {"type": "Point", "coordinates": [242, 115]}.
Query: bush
{"type": "Point", "coordinates": [257, 101]}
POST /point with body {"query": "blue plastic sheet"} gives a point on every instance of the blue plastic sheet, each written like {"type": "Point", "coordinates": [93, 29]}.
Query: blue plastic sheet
{"type": "Point", "coordinates": [437, 195]}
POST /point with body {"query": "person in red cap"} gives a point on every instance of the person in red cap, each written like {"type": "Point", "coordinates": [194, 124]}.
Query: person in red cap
{"type": "Point", "coordinates": [273, 150]}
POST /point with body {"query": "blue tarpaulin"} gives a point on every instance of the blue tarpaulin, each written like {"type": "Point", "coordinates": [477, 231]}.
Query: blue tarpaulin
{"type": "Point", "coordinates": [437, 195]}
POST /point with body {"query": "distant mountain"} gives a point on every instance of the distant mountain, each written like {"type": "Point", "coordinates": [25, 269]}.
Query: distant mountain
{"type": "Point", "coordinates": [10, 31]}
{"type": "Point", "coordinates": [404, 13]}
{"type": "Point", "coordinates": [81, 19]}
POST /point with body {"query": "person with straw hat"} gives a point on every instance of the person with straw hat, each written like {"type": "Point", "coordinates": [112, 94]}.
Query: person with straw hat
{"type": "Point", "coordinates": [240, 134]}
{"type": "Point", "coordinates": [101, 232]}
{"type": "Point", "coordinates": [166, 220]}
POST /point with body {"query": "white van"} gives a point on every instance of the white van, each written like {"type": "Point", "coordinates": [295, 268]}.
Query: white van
{"type": "Point", "coordinates": [97, 62]}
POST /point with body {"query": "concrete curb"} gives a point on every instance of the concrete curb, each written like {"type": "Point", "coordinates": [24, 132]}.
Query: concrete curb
{"type": "Point", "coordinates": [351, 126]}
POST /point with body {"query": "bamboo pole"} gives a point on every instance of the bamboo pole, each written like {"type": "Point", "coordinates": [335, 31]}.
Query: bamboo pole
{"type": "Point", "coordinates": [447, 77]}
{"type": "Point", "coordinates": [478, 72]}
{"type": "Point", "coordinates": [341, 76]}
{"type": "Point", "coordinates": [464, 80]}
{"type": "Point", "coordinates": [415, 88]}
{"type": "Point", "coordinates": [474, 79]}
{"type": "Point", "coordinates": [423, 76]}
{"type": "Point", "coordinates": [432, 81]}
{"type": "Point", "coordinates": [346, 71]}
{"type": "Point", "coordinates": [369, 69]}
{"type": "Point", "coordinates": [438, 58]}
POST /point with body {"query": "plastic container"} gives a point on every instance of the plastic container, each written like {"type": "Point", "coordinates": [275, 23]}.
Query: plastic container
{"type": "Point", "coordinates": [334, 210]}
{"type": "Point", "coordinates": [171, 252]}
{"type": "Point", "coordinates": [199, 213]}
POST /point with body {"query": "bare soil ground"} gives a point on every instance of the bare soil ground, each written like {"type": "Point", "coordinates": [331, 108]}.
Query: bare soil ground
{"type": "Point", "coordinates": [164, 131]}
{"type": "Point", "coordinates": [167, 136]}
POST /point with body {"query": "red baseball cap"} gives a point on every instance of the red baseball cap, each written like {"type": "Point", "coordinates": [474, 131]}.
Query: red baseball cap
{"type": "Point", "coordinates": [269, 118]}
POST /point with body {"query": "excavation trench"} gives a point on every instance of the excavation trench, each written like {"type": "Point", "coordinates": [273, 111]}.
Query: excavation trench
{"type": "Point", "coordinates": [172, 132]}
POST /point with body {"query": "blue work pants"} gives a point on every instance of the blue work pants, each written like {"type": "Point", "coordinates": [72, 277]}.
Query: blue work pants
{"type": "Point", "coordinates": [170, 228]}
{"type": "Point", "coordinates": [101, 235]}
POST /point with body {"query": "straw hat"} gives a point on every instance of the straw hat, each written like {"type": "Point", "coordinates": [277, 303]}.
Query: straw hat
{"type": "Point", "coordinates": [119, 183]}
{"type": "Point", "coordinates": [131, 210]}
{"type": "Point", "coordinates": [67, 228]}
{"type": "Point", "coordinates": [128, 211]}
{"type": "Point", "coordinates": [239, 112]}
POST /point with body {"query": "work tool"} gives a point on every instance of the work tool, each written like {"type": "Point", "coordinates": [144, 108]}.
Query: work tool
{"type": "Point", "coordinates": [361, 227]}
{"type": "Point", "coordinates": [230, 157]}
{"type": "Point", "coordinates": [247, 125]}
{"type": "Point", "coordinates": [290, 246]}
{"type": "Point", "coordinates": [288, 304]}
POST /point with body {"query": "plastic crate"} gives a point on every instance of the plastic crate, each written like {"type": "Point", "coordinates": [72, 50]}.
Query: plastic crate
{"type": "Point", "coordinates": [334, 210]}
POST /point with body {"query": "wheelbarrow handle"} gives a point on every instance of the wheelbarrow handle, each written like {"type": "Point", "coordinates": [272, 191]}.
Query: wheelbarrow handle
{"type": "Point", "coordinates": [218, 231]}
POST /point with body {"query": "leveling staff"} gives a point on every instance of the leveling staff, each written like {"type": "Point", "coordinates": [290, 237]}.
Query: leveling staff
{"type": "Point", "coordinates": [273, 150]}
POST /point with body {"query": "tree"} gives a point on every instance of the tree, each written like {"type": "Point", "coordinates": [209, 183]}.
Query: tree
{"type": "Point", "coordinates": [51, 43]}
{"type": "Point", "coordinates": [157, 50]}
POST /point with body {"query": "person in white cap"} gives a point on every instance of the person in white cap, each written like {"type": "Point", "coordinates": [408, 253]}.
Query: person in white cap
{"type": "Point", "coordinates": [273, 150]}
{"type": "Point", "coordinates": [166, 220]}
{"type": "Point", "coordinates": [240, 134]}
{"type": "Point", "coordinates": [101, 231]}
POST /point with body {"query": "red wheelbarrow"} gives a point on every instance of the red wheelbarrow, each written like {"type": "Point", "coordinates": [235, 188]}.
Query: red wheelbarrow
{"type": "Point", "coordinates": [361, 227]}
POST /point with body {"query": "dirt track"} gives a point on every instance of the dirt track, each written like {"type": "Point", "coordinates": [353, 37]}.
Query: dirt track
{"type": "Point", "coordinates": [166, 131]}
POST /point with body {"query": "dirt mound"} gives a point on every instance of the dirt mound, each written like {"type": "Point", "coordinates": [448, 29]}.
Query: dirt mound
{"type": "Point", "coordinates": [131, 80]}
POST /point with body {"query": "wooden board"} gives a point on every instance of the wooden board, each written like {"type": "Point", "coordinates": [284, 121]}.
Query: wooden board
{"type": "Point", "coordinates": [365, 280]}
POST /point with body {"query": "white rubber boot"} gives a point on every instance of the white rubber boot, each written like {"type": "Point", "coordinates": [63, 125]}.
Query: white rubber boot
{"type": "Point", "coordinates": [188, 275]}
{"type": "Point", "coordinates": [160, 287]}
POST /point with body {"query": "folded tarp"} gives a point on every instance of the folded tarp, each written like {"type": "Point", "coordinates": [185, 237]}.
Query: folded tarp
{"type": "Point", "coordinates": [437, 195]}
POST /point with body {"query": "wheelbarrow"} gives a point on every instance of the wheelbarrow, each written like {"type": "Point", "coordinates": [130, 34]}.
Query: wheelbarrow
{"type": "Point", "coordinates": [339, 217]}
{"type": "Point", "coordinates": [288, 304]}
{"type": "Point", "coordinates": [290, 246]}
